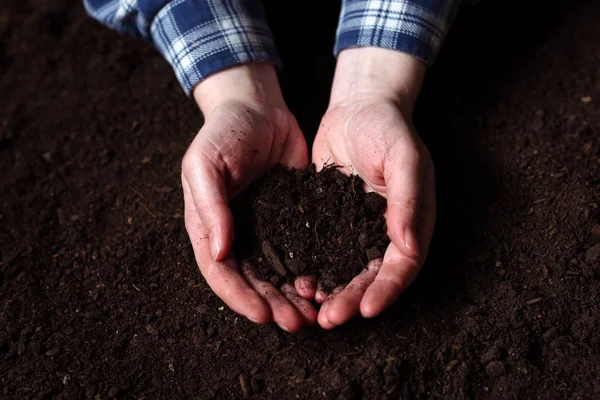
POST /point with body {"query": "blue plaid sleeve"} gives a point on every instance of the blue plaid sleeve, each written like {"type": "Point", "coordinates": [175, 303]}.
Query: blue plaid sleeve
{"type": "Point", "coordinates": [197, 37]}
{"type": "Point", "coordinates": [416, 27]}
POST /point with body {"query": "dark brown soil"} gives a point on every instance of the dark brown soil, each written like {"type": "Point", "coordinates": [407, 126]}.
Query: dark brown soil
{"type": "Point", "coordinates": [99, 293]}
{"type": "Point", "coordinates": [300, 222]}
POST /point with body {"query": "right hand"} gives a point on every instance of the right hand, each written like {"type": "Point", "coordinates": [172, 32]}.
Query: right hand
{"type": "Point", "coordinates": [247, 130]}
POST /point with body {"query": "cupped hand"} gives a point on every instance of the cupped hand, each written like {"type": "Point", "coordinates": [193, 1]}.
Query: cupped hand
{"type": "Point", "coordinates": [247, 130]}
{"type": "Point", "coordinates": [367, 130]}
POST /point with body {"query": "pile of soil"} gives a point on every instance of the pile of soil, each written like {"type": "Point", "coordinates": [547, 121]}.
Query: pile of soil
{"type": "Point", "coordinates": [297, 222]}
{"type": "Point", "coordinates": [100, 296]}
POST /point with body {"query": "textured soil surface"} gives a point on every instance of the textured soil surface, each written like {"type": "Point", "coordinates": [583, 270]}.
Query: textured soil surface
{"type": "Point", "coordinates": [300, 222]}
{"type": "Point", "coordinates": [99, 293]}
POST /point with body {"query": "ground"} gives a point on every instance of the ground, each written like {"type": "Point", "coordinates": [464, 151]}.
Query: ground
{"type": "Point", "coordinates": [99, 293]}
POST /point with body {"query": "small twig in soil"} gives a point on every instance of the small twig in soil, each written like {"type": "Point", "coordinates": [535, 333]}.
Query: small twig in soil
{"type": "Point", "coordinates": [142, 204]}
{"type": "Point", "coordinates": [147, 209]}
{"type": "Point", "coordinates": [326, 163]}
{"type": "Point", "coordinates": [137, 192]}
{"type": "Point", "coordinates": [272, 257]}
{"type": "Point", "coordinates": [317, 224]}
{"type": "Point", "coordinates": [530, 302]}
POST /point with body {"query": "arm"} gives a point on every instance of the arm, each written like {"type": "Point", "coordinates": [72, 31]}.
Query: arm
{"type": "Point", "coordinates": [223, 55]}
{"type": "Point", "coordinates": [383, 48]}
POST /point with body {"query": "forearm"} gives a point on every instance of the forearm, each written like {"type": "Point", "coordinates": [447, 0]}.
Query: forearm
{"type": "Point", "coordinates": [197, 37]}
{"type": "Point", "coordinates": [252, 84]}
{"type": "Point", "coordinates": [383, 47]}
{"type": "Point", "coordinates": [369, 72]}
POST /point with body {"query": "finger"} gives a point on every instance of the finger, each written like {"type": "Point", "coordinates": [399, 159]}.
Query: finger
{"type": "Point", "coordinates": [305, 286]}
{"type": "Point", "coordinates": [284, 313]}
{"type": "Point", "coordinates": [209, 193]}
{"type": "Point", "coordinates": [306, 310]}
{"type": "Point", "coordinates": [403, 179]}
{"type": "Point", "coordinates": [223, 276]}
{"type": "Point", "coordinates": [396, 273]}
{"type": "Point", "coordinates": [347, 303]}
{"type": "Point", "coordinates": [295, 151]}
{"type": "Point", "coordinates": [322, 317]}
{"type": "Point", "coordinates": [320, 295]}
{"type": "Point", "coordinates": [321, 155]}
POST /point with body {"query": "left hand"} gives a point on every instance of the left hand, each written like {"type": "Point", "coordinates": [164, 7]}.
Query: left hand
{"type": "Point", "coordinates": [248, 129]}
{"type": "Point", "coordinates": [367, 130]}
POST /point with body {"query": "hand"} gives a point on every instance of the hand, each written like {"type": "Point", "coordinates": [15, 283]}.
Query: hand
{"type": "Point", "coordinates": [367, 130]}
{"type": "Point", "coordinates": [248, 129]}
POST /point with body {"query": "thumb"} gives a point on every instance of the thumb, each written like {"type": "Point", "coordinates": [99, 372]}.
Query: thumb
{"type": "Point", "coordinates": [404, 202]}
{"type": "Point", "coordinates": [209, 193]}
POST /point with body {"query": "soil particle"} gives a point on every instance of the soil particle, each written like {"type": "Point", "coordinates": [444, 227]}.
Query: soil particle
{"type": "Point", "coordinates": [53, 352]}
{"type": "Point", "coordinates": [93, 314]}
{"type": "Point", "coordinates": [551, 334]}
{"type": "Point", "coordinates": [151, 329]}
{"type": "Point", "coordinates": [295, 266]}
{"type": "Point", "coordinates": [245, 386]}
{"type": "Point", "coordinates": [495, 369]}
{"type": "Point", "coordinates": [373, 253]}
{"type": "Point", "coordinates": [593, 253]}
{"type": "Point", "coordinates": [491, 354]}
{"type": "Point", "coordinates": [113, 392]}
{"type": "Point", "coordinates": [36, 347]}
{"type": "Point", "coordinates": [272, 258]}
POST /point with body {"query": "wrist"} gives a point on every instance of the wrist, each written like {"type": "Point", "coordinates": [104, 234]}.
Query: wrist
{"type": "Point", "coordinates": [367, 73]}
{"type": "Point", "coordinates": [252, 84]}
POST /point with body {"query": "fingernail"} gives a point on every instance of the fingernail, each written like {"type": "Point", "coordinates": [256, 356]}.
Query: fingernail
{"type": "Point", "coordinates": [253, 320]}
{"type": "Point", "coordinates": [410, 240]}
{"type": "Point", "coordinates": [215, 246]}
{"type": "Point", "coordinates": [285, 328]}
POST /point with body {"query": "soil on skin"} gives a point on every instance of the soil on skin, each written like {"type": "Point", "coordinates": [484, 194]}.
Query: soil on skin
{"type": "Point", "coordinates": [300, 222]}
{"type": "Point", "coordinates": [100, 296]}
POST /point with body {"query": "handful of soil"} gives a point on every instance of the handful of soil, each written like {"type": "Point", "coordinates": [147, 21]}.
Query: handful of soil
{"type": "Point", "coordinates": [296, 222]}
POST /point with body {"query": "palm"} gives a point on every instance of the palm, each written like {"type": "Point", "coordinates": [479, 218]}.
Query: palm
{"type": "Point", "coordinates": [373, 139]}
{"type": "Point", "coordinates": [243, 143]}
{"type": "Point", "coordinates": [236, 145]}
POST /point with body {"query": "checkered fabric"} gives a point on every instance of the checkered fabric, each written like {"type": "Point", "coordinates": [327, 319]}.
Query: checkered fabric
{"type": "Point", "coordinates": [197, 37]}
{"type": "Point", "coordinates": [416, 27]}
{"type": "Point", "coordinates": [201, 37]}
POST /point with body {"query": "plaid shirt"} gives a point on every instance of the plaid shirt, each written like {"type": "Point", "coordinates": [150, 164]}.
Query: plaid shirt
{"type": "Point", "coordinates": [201, 37]}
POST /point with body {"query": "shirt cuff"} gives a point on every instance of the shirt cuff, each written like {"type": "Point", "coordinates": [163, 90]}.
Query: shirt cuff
{"type": "Point", "coordinates": [415, 27]}
{"type": "Point", "coordinates": [199, 38]}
